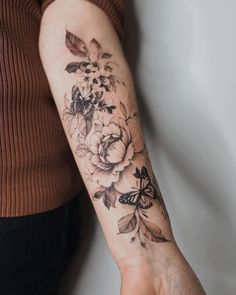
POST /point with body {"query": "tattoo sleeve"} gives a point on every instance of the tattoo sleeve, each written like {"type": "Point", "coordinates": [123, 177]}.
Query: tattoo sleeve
{"type": "Point", "coordinates": [107, 133]}
{"type": "Point", "coordinates": [94, 94]}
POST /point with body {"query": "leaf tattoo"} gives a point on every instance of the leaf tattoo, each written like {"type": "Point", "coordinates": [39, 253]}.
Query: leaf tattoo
{"type": "Point", "coordinates": [72, 67]}
{"type": "Point", "coordinates": [76, 45]}
{"type": "Point", "coordinates": [108, 195]}
{"type": "Point", "coordinates": [151, 231]}
{"type": "Point", "coordinates": [109, 138]}
{"type": "Point", "coordinates": [127, 223]}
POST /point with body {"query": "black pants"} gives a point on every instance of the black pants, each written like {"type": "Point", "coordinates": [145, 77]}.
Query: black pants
{"type": "Point", "coordinates": [35, 250]}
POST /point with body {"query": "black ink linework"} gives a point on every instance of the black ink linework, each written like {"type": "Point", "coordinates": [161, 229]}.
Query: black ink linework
{"type": "Point", "coordinates": [108, 137]}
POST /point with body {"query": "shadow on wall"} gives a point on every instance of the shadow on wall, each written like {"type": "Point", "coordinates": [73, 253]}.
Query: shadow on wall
{"type": "Point", "coordinates": [160, 51]}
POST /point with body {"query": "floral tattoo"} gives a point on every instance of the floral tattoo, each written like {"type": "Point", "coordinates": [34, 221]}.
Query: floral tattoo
{"type": "Point", "coordinates": [109, 138]}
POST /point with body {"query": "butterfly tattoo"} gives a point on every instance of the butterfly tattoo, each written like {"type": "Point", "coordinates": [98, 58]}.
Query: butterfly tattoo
{"type": "Point", "coordinates": [84, 104]}
{"type": "Point", "coordinates": [143, 197]}
{"type": "Point", "coordinates": [138, 221]}
{"type": "Point", "coordinates": [82, 107]}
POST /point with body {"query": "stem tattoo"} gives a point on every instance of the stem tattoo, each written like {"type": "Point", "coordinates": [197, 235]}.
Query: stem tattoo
{"type": "Point", "coordinates": [108, 136]}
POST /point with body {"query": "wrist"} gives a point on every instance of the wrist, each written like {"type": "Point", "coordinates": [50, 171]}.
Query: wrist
{"type": "Point", "coordinates": [160, 274]}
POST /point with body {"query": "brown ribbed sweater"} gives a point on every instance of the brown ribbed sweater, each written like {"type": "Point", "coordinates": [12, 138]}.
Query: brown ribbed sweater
{"type": "Point", "coordinates": [37, 169]}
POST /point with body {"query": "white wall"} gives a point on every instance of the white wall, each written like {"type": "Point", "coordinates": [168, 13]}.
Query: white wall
{"type": "Point", "coordinates": [185, 69]}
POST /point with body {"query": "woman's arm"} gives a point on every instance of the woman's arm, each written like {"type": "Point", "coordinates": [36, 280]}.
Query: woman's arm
{"type": "Point", "coordinates": [94, 94]}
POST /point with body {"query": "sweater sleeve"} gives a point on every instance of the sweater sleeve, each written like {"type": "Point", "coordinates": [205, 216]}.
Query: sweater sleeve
{"type": "Point", "coordinates": [113, 8]}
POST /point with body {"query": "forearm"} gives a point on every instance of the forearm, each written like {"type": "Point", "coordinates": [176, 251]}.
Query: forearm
{"type": "Point", "coordinates": [94, 94]}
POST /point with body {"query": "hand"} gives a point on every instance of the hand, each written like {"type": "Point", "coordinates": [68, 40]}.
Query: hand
{"type": "Point", "coordinates": [166, 275]}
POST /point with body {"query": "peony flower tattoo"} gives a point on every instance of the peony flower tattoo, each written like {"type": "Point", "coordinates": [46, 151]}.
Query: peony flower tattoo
{"type": "Point", "coordinates": [112, 148]}
{"type": "Point", "coordinates": [109, 139]}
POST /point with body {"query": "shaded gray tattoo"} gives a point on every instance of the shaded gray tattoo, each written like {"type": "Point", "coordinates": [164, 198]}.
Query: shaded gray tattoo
{"type": "Point", "coordinates": [109, 138]}
{"type": "Point", "coordinates": [141, 199]}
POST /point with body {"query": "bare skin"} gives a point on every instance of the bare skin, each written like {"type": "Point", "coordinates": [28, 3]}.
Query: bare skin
{"type": "Point", "coordinates": [93, 90]}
